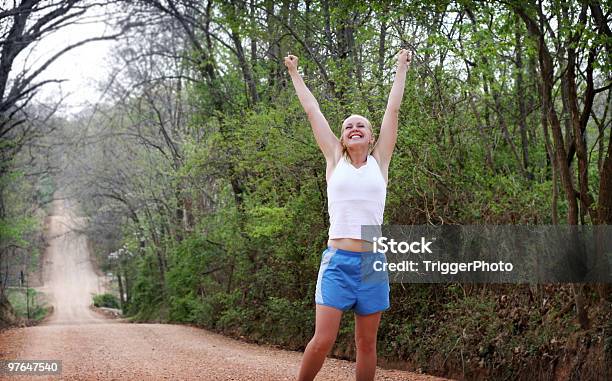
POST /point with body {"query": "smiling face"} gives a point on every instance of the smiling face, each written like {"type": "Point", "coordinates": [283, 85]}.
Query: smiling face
{"type": "Point", "coordinates": [356, 131]}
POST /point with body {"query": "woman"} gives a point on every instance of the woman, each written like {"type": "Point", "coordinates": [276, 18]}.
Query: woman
{"type": "Point", "coordinates": [356, 176]}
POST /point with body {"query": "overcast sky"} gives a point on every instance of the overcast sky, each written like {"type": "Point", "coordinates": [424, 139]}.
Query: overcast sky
{"type": "Point", "coordinates": [82, 67]}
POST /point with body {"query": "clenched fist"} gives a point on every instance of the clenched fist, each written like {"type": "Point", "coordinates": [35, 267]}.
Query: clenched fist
{"type": "Point", "coordinates": [291, 62]}
{"type": "Point", "coordinates": [404, 58]}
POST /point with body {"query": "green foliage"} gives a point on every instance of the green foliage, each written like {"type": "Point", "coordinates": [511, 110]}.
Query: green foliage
{"type": "Point", "coordinates": [147, 291]}
{"type": "Point", "coordinates": [38, 308]}
{"type": "Point", "coordinates": [295, 317]}
{"type": "Point", "coordinates": [19, 224]}
{"type": "Point", "coordinates": [106, 300]}
{"type": "Point", "coordinates": [187, 278]}
{"type": "Point", "coordinates": [13, 231]}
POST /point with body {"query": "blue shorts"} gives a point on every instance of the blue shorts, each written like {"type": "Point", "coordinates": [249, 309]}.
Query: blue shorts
{"type": "Point", "coordinates": [350, 280]}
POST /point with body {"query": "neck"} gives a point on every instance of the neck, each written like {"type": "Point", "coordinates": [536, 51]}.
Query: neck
{"type": "Point", "coordinates": [358, 155]}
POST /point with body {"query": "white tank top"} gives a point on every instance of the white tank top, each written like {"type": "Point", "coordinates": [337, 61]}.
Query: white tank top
{"type": "Point", "coordinates": [355, 197]}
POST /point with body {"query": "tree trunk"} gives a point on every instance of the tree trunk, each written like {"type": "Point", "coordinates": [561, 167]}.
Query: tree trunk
{"type": "Point", "coordinates": [382, 37]}
{"type": "Point", "coordinates": [547, 78]}
{"type": "Point", "coordinates": [520, 95]}
{"type": "Point", "coordinates": [553, 163]}
{"type": "Point", "coordinates": [604, 204]}
{"type": "Point", "coordinates": [120, 284]}
{"type": "Point", "coordinates": [327, 17]}
{"type": "Point", "coordinates": [245, 67]}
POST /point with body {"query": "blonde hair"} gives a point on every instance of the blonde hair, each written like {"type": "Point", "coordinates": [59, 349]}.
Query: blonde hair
{"type": "Point", "coordinates": [368, 125]}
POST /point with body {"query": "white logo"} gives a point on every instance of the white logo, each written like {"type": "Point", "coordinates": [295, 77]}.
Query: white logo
{"type": "Point", "coordinates": [383, 245]}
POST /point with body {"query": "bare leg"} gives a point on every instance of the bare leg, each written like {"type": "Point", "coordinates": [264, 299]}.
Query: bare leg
{"type": "Point", "coordinates": [366, 329]}
{"type": "Point", "coordinates": [326, 328]}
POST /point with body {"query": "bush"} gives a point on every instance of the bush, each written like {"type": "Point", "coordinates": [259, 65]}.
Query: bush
{"type": "Point", "coordinates": [106, 300]}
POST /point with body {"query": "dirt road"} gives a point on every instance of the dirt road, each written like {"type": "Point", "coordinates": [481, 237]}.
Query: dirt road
{"type": "Point", "coordinates": [93, 347]}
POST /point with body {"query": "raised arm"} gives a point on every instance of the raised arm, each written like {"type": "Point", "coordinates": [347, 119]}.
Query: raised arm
{"type": "Point", "coordinates": [388, 129]}
{"type": "Point", "coordinates": [327, 141]}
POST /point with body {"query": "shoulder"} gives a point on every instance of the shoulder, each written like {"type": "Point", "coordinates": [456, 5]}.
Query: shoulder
{"type": "Point", "coordinates": [332, 164]}
{"type": "Point", "coordinates": [383, 166]}
{"type": "Point", "coordinates": [376, 156]}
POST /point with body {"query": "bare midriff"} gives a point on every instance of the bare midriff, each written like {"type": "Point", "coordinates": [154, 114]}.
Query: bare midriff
{"type": "Point", "coordinates": [350, 244]}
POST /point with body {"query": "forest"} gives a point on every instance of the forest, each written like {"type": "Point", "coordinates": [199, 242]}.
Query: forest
{"type": "Point", "coordinates": [205, 191]}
